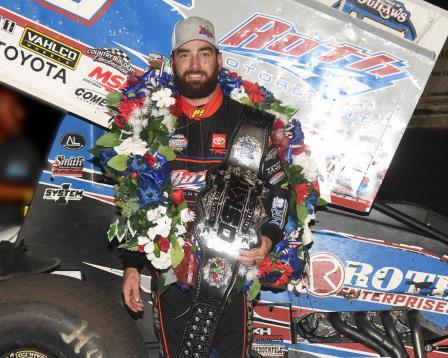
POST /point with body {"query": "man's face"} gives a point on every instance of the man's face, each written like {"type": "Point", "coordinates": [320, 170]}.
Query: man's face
{"type": "Point", "coordinates": [12, 113]}
{"type": "Point", "coordinates": [196, 68]}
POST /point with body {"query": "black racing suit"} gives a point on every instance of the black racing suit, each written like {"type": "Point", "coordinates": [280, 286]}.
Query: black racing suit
{"type": "Point", "coordinates": [201, 144]}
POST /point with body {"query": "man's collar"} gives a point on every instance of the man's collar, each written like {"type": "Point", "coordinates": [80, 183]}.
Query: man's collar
{"type": "Point", "coordinates": [205, 111]}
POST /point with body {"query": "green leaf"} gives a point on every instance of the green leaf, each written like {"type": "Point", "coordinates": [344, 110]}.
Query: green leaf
{"type": "Point", "coordinates": [122, 230]}
{"type": "Point", "coordinates": [239, 284]}
{"type": "Point", "coordinates": [113, 99]}
{"type": "Point", "coordinates": [113, 229]}
{"type": "Point", "coordinates": [254, 289]}
{"type": "Point", "coordinates": [321, 202]}
{"type": "Point", "coordinates": [119, 162]}
{"type": "Point", "coordinates": [169, 277]}
{"type": "Point", "coordinates": [96, 150]}
{"type": "Point", "coordinates": [167, 152]}
{"type": "Point", "coordinates": [301, 213]}
{"type": "Point", "coordinates": [177, 253]}
{"type": "Point", "coordinates": [246, 101]}
{"type": "Point", "coordinates": [109, 140]}
{"type": "Point", "coordinates": [156, 249]}
{"type": "Point", "coordinates": [290, 111]}
{"type": "Point", "coordinates": [161, 285]}
{"type": "Point", "coordinates": [182, 205]}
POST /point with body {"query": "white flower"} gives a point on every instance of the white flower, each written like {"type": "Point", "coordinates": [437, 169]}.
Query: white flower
{"type": "Point", "coordinates": [307, 237]}
{"type": "Point", "coordinates": [158, 112]}
{"type": "Point", "coordinates": [180, 229]}
{"type": "Point", "coordinates": [162, 262]}
{"type": "Point", "coordinates": [187, 215]}
{"type": "Point", "coordinates": [143, 240]}
{"type": "Point", "coordinates": [162, 227]}
{"type": "Point", "coordinates": [238, 93]}
{"type": "Point", "coordinates": [152, 232]}
{"type": "Point", "coordinates": [309, 167]}
{"type": "Point", "coordinates": [156, 213]}
{"type": "Point", "coordinates": [163, 98]}
{"type": "Point", "coordinates": [132, 145]}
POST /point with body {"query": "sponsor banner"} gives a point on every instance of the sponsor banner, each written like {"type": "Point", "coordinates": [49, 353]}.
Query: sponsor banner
{"type": "Point", "coordinates": [269, 349]}
{"type": "Point", "coordinates": [68, 166]}
{"type": "Point", "coordinates": [63, 194]}
{"type": "Point", "coordinates": [414, 20]}
{"type": "Point", "coordinates": [349, 273]}
{"type": "Point", "coordinates": [355, 85]}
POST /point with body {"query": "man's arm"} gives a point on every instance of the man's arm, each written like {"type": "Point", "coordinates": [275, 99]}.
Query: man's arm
{"type": "Point", "coordinates": [133, 263]}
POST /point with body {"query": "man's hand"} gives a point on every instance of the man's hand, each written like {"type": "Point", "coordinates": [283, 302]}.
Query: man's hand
{"type": "Point", "coordinates": [131, 290]}
{"type": "Point", "coordinates": [255, 256]}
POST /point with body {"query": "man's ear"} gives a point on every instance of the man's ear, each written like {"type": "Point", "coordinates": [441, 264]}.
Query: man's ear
{"type": "Point", "coordinates": [220, 60]}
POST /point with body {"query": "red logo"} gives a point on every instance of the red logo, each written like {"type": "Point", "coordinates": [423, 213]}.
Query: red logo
{"type": "Point", "coordinates": [219, 141]}
{"type": "Point", "coordinates": [326, 274]}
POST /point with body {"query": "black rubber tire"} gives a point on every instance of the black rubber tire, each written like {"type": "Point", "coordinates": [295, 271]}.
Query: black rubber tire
{"type": "Point", "coordinates": [52, 316]}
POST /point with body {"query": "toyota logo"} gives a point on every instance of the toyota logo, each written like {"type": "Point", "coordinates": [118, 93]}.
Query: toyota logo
{"type": "Point", "coordinates": [219, 140]}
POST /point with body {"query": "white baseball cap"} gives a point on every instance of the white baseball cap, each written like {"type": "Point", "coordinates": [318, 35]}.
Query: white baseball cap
{"type": "Point", "coordinates": [193, 28]}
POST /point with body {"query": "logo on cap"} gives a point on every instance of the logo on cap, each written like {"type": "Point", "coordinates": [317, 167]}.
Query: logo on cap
{"type": "Point", "coordinates": [204, 30]}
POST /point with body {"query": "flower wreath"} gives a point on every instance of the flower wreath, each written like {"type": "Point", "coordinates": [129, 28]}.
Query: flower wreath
{"type": "Point", "coordinates": [154, 217]}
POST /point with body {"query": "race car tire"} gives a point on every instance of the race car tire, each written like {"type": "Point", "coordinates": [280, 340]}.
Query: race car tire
{"type": "Point", "coordinates": [52, 316]}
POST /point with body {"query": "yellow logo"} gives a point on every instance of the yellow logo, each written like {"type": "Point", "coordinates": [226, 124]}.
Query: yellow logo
{"type": "Point", "coordinates": [198, 113]}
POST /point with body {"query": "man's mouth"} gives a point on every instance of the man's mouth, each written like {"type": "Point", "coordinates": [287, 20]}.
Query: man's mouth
{"type": "Point", "coordinates": [195, 76]}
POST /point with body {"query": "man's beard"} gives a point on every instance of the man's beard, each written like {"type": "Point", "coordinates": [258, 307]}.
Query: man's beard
{"type": "Point", "coordinates": [197, 89]}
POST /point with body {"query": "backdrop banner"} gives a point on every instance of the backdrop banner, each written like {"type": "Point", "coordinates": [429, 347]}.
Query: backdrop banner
{"type": "Point", "coordinates": [356, 85]}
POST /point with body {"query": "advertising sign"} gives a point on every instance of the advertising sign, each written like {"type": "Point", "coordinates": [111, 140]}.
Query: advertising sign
{"type": "Point", "coordinates": [355, 85]}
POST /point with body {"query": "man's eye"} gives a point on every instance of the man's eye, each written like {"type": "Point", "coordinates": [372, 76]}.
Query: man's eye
{"type": "Point", "coordinates": [205, 54]}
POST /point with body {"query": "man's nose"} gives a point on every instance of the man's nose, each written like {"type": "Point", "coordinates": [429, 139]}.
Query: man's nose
{"type": "Point", "coordinates": [195, 62]}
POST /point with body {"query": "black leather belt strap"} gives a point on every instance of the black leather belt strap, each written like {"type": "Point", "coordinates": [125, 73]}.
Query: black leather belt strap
{"type": "Point", "coordinates": [231, 213]}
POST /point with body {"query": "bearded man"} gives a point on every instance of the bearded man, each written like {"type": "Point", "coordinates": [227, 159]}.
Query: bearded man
{"type": "Point", "coordinates": [207, 124]}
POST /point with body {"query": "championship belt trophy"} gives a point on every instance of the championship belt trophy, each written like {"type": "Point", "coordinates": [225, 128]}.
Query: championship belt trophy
{"type": "Point", "coordinates": [230, 216]}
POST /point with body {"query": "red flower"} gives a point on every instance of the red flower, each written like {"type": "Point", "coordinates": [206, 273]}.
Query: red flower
{"type": "Point", "coordinates": [298, 150]}
{"type": "Point", "coordinates": [134, 175]}
{"type": "Point", "coordinates": [120, 121]}
{"type": "Point", "coordinates": [284, 278]}
{"type": "Point", "coordinates": [253, 89]}
{"type": "Point", "coordinates": [149, 158]}
{"type": "Point", "coordinates": [265, 267]}
{"type": "Point", "coordinates": [186, 271]}
{"type": "Point", "coordinates": [126, 107]}
{"type": "Point", "coordinates": [164, 244]}
{"type": "Point", "coordinates": [178, 196]}
{"type": "Point", "coordinates": [301, 192]}
{"type": "Point", "coordinates": [278, 124]}
{"type": "Point", "coordinates": [316, 185]}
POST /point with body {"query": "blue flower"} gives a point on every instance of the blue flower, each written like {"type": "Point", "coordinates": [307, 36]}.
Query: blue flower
{"type": "Point", "coordinates": [135, 91]}
{"type": "Point", "coordinates": [137, 163]}
{"type": "Point", "coordinates": [271, 277]}
{"type": "Point", "coordinates": [281, 245]}
{"type": "Point", "coordinates": [229, 82]}
{"type": "Point", "coordinates": [246, 285]}
{"type": "Point", "coordinates": [107, 155]}
{"type": "Point", "coordinates": [291, 225]}
{"type": "Point", "coordinates": [297, 133]}
{"type": "Point", "coordinates": [294, 261]}
{"type": "Point", "coordinates": [311, 203]}
{"type": "Point", "coordinates": [183, 286]}
{"type": "Point", "coordinates": [149, 193]}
